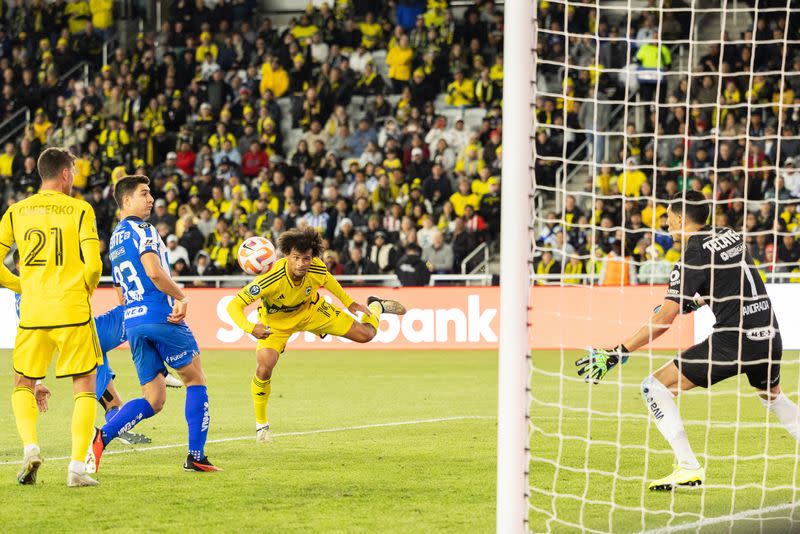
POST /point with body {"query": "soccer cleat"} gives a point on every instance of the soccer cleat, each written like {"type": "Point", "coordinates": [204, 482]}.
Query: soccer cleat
{"type": "Point", "coordinates": [95, 452]}
{"type": "Point", "coordinates": [132, 438]}
{"type": "Point", "coordinates": [78, 480]}
{"type": "Point", "coordinates": [172, 382]}
{"type": "Point", "coordinates": [30, 466]}
{"type": "Point", "coordinates": [680, 476]}
{"type": "Point", "coordinates": [263, 434]}
{"type": "Point", "coordinates": [202, 466]}
{"type": "Point", "coordinates": [388, 306]}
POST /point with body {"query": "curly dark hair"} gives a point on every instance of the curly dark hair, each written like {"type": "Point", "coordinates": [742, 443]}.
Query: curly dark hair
{"type": "Point", "coordinates": [301, 241]}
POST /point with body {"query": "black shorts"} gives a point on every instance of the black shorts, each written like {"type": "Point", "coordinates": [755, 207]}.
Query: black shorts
{"type": "Point", "coordinates": [726, 354]}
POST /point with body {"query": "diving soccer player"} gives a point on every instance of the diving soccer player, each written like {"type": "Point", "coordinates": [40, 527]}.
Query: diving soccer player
{"type": "Point", "coordinates": [154, 311]}
{"type": "Point", "coordinates": [716, 270]}
{"type": "Point", "coordinates": [59, 269]}
{"type": "Point", "coordinates": [289, 303]}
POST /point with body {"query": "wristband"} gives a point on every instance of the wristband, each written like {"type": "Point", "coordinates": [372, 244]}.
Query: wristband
{"type": "Point", "coordinates": [184, 300]}
{"type": "Point", "coordinates": [38, 383]}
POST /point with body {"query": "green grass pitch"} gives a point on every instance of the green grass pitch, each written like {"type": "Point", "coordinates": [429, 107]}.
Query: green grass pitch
{"type": "Point", "coordinates": [416, 477]}
{"type": "Point", "coordinates": [594, 468]}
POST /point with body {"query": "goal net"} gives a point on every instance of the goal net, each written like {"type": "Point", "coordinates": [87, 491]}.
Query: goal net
{"type": "Point", "coordinates": [633, 102]}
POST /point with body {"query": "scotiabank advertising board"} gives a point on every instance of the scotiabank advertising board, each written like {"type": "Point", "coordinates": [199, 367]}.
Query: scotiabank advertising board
{"type": "Point", "coordinates": [468, 318]}
{"type": "Point", "coordinates": [440, 317]}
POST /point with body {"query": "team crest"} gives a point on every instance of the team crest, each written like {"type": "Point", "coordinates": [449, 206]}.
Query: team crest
{"type": "Point", "coordinates": [144, 225]}
{"type": "Point", "coordinates": [308, 291]}
{"type": "Point", "coordinates": [255, 290]}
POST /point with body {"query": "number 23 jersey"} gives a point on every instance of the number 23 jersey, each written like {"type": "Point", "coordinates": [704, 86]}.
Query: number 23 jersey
{"type": "Point", "coordinates": [144, 302]}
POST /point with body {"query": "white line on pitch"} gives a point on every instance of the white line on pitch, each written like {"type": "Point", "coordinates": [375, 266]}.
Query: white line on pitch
{"type": "Point", "coordinates": [725, 518]}
{"type": "Point", "coordinates": [285, 434]}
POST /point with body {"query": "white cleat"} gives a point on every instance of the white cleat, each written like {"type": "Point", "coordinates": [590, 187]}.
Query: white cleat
{"type": "Point", "coordinates": [263, 434]}
{"type": "Point", "coordinates": [31, 462]}
{"type": "Point", "coordinates": [78, 480]}
{"type": "Point", "coordinates": [172, 382]}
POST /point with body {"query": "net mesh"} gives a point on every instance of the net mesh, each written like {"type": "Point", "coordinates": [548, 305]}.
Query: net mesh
{"type": "Point", "coordinates": [634, 102]}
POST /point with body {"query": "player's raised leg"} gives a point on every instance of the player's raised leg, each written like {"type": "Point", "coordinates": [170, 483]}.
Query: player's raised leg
{"type": "Point", "coordinates": [366, 329]}
{"type": "Point", "coordinates": [658, 392]}
{"type": "Point", "coordinates": [111, 401]}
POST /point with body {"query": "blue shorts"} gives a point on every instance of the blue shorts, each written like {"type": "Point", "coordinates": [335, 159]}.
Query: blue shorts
{"type": "Point", "coordinates": [154, 345]}
{"type": "Point", "coordinates": [104, 376]}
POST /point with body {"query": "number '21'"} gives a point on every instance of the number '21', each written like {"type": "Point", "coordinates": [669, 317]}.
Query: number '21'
{"type": "Point", "coordinates": [39, 238]}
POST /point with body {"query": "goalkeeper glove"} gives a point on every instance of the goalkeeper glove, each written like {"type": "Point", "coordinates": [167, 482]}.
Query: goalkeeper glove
{"type": "Point", "coordinates": [600, 361]}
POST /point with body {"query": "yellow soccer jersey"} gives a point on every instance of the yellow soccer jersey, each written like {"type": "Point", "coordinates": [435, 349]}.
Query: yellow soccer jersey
{"type": "Point", "coordinates": [59, 261]}
{"type": "Point", "coordinates": [282, 303]}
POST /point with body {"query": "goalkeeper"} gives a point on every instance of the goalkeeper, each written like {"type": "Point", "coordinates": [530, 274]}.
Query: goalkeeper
{"type": "Point", "coordinates": [745, 339]}
{"type": "Point", "coordinates": [289, 303]}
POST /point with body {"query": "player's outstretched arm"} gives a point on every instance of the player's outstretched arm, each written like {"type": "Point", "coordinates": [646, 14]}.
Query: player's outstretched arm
{"type": "Point", "coordinates": [599, 362]}
{"type": "Point", "coordinates": [246, 296]}
{"type": "Point", "coordinates": [658, 323]}
{"type": "Point", "coordinates": [165, 284]}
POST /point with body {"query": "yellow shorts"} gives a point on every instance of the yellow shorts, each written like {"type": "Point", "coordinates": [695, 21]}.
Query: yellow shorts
{"type": "Point", "coordinates": [78, 351]}
{"type": "Point", "coordinates": [322, 319]}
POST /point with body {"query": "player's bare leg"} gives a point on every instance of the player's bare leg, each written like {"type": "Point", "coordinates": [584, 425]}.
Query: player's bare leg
{"type": "Point", "coordinates": [26, 415]}
{"type": "Point", "coordinates": [365, 330]}
{"type": "Point", "coordinates": [658, 392]}
{"type": "Point", "coordinates": [111, 401]}
{"type": "Point", "coordinates": [83, 415]}
{"type": "Point", "coordinates": [261, 388]}
{"type": "Point", "coordinates": [787, 412]}
{"type": "Point", "coordinates": [197, 416]}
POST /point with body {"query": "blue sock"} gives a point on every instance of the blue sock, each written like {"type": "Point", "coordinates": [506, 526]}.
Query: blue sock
{"type": "Point", "coordinates": [129, 416]}
{"type": "Point", "coordinates": [111, 413]}
{"type": "Point", "coordinates": [197, 418]}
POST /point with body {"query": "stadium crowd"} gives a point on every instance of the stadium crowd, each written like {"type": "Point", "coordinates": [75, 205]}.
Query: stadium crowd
{"type": "Point", "coordinates": [356, 119]}
{"type": "Point", "coordinates": [726, 125]}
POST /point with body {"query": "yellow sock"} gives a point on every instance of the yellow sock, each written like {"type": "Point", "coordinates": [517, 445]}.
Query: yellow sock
{"type": "Point", "coordinates": [374, 319]}
{"type": "Point", "coordinates": [83, 424]}
{"type": "Point", "coordinates": [260, 389]}
{"type": "Point", "coordinates": [24, 406]}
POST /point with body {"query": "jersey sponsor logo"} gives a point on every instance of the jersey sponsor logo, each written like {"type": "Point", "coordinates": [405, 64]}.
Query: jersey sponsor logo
{"type": "Point", "coordinates": [732, 252]}
{"type": "Point", "coordinates": [674, 276]}
{"type": "Point", "coordinates": [135, 311]}
{"type": "Point", "coordinates": [118, 238]}
{"type": "Point", "coordinates": [178, 357]}
{"type": "Point", "coordinates": [255, 290]}
{"type": "Point", "coordinates": [150, 242]}
{"type": "Point", "coordinates": [47, 209]}
{"type": "Point", "coordinates": [285, 309]}
{"type": "Point", "coordinates": [144, 225]}
{"type": "Point", "coordinates": [116, 253]}
{"type": "Point", "coordinates": [722, 241]}
{"type": "Point", "coordinates": [760, 334]}
{"type": "Point", "coordinates": [761, 305]}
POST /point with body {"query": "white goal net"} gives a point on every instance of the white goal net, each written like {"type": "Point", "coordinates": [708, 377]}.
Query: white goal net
{"type": "Point", "coordinates": [636, 101]}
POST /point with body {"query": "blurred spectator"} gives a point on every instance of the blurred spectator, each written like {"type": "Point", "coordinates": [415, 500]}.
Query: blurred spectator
{"type": "Point", "coordinates": [439, 254]}
{"type": "Point", "coordinates": [411, 269]}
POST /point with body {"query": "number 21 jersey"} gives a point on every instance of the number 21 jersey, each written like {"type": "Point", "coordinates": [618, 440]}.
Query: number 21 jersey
{"type": "Point", "coordinates": [49, 228]}
{"type": "Point", "coordinates": [144, 302]}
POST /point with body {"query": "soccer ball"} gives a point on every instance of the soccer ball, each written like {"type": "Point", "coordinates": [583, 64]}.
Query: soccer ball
{"type": "Point", "coordinates": [256, 255]}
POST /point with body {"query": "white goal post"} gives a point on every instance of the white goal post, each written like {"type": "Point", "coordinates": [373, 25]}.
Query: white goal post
{"type": "Point", "coordinates": [514, 352]}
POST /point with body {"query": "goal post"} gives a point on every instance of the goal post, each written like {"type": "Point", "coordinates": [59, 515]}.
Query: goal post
{"type": "Point", "coordinates": [610, 109]}
{"type": "Point", "coordinates": [514, 351]}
